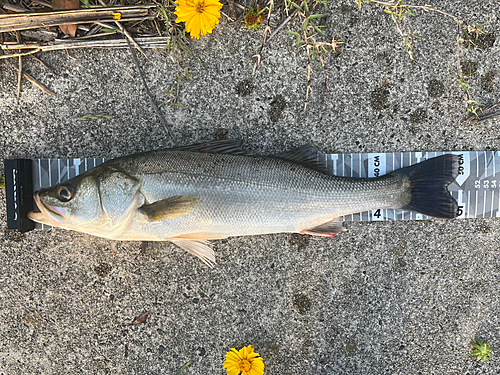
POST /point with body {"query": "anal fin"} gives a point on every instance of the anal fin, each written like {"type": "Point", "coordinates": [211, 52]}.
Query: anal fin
{"type": "Point", "coordinates": [198, 248]}
{"type": "Point", "coordinates": [328, 229]}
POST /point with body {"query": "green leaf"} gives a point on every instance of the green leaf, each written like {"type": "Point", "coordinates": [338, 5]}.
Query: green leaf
{"type": "Point", "coordinates": [295, 34]}
{"type": "Point", "coordinates": [325, 3]}
{"type": "Point", "coordinates": [292, 33]}
{"type": "Point", "coordinates": [313, 16]}
{"type": "Point", "coordinates": [482, 350]}
{"type": "Point", "coordinates": [184, 367]}
{"type": "Point", "coordinates": [304, 25]}
{"type": "Point", "coordinates": [306, 7]}
{"type": "Point", "coordinates": [2, 183]}
{"type": "Point", "coordinates": [93, 117]}
{"type": "Point", "coordinates": [163, 11]}
{"type": "Point", "coordinates": [85, 3]}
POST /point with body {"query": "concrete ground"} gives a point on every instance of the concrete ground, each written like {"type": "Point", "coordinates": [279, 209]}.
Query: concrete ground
{"type": "Point", "coordinates": [382, 298]}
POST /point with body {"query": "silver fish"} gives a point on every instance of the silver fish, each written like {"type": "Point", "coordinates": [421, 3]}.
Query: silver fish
{"type": "Point", "coordinates": [194, 194]}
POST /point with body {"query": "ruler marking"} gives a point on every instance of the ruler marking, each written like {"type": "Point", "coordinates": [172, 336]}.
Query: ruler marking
{"type": "Point", "coordinates": [484, 202]}
{"type": "Point", "coordinates": [50, 173]}
{"type": "Point", "coordinates": [492, 201]}
{"type": "Point", "coordinates": [343, 167]}
{"type": "Point", "coordinates": [393, 168]}
{"type": "Point", "coordinates": [40, 176]}
{"type": "Point", "coordinates": [494, 162]}
{"type": "Point", "coordinates": [360, 176]}
{"type": "Point", "coordinates": [475, 206]}
{"type": "Point", "coordinates": [486, 164]}
{"type": "Point", "coordinates": [40, 172]}
{"type": "Point", "coordinates": [412, 214]}
{"type": "Point", "coordinates": [352, 215]}
{"type": "Point", "coordinates": [402, 166]}
{"type": "Point", "coordinates": [468, 204]}
{"type": "Point", "coordinates": [477, 164]}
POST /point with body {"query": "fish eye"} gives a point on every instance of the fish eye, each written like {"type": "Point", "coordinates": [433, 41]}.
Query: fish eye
{"type": "Point", "coordinates": [64, 193]}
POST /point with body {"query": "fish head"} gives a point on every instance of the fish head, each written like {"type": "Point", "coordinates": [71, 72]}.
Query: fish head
{"type": "Point", "coordinates": [69, 204]}
{"type": "Point", "coordinates": [97, 202]}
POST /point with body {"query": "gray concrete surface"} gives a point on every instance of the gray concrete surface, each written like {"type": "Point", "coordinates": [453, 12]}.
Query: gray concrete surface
{"type": "Point", "coordinates": [382, 298]}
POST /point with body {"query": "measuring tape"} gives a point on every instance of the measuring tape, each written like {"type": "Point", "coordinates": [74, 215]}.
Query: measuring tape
{"type": "Point", "coordinates": [476, 189]}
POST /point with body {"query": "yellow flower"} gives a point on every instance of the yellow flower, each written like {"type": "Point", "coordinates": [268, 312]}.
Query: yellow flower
{"type": "Point", "coordinates": [200, 16]}
{"type": "Point", "coordinates": [244, 362]}
{"type": "Point", "coordinates": [117, 16]}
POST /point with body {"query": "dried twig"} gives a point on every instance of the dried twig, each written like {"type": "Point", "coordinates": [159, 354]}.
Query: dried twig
{"type": "Point", "coordinates": [42, 2]}
{"type": "Point", "coordinates": [59, 44]}
{"type": "Point", "coordinates": [129, 37]}
{"type": "Point", "coordinates": [22, 21]}
{"type": "Point", "coordinates": [232, 10]}
{"type": "Point", "coordinates": [20, 54]}
{"type": "Point", "coordinates": [40, 34]}
{"type": "Point", "coordinates": [34, 81]}
{"type": "Point", "coordinates": [485, 115]}
{"type": "Point", "coordinates": [20, 70]}
{"type": "Point", "coordinates": [258, 56]}
{"type": "Point", "coordinates": [285, 21]}
{"type": "Point", "coordinates": [157, 110]}
{"type": "Point", "coordinates": [267, 38]}
{"type": "Point", "coordinates": [1, 53]}
{"type": "Point", "coordinates": [44, 64]}
{"type": "Point", "coordinates": [19, 77]}
{"type": "Point", "coordinates": [15, 8]}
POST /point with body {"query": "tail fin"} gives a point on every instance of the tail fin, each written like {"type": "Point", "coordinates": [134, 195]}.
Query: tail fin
{"type": "Point", "coordinates": [429, 186]}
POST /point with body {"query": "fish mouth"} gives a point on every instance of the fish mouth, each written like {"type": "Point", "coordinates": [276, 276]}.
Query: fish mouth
{"type": "Point", "coordinates": [48, 214]}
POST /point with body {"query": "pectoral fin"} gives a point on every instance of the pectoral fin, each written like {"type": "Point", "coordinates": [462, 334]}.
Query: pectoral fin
{"type": "Point", "coordinates": [201, 249]}
{"type": "Point", "coordinates": [170, 208]}
{"type": "Point", "coordinates": [329, 229]}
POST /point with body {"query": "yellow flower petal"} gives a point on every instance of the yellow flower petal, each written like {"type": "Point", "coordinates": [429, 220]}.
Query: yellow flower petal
{"type": "Point", "coordinates": [200, 16]}
{"type": "Point", "coordinates": [233, 371]}
{"type": "Point", "coordinates": [232, 356]}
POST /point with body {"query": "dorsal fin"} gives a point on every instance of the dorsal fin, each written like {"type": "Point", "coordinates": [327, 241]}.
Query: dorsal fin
{"type": "Point", "coordinates": [305, 155]}
{"type": "Point", "coordinates": [229, 146]}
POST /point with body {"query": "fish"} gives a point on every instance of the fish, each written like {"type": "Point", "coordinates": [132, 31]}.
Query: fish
{"type": "Point", "coordinates": [194, 194]}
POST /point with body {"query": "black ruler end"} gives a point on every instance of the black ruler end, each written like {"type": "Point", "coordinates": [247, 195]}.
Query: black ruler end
{"type": "Point", "coordinates": [19, 189]}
